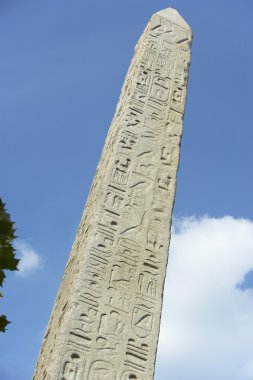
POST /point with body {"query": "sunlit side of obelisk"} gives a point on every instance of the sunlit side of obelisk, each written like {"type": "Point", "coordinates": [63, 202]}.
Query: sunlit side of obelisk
{"type": "Point", "coordinates": [106, 318]}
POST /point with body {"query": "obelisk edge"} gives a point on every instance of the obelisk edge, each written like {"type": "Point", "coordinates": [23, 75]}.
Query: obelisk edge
{"type": "Point", "coordinates": [173, 16]}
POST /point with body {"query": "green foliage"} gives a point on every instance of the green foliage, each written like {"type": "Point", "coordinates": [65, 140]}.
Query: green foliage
{"type": "Point", "coordinates": [7, 253]}
{"type": "Point", "coordinates": [3, 323]}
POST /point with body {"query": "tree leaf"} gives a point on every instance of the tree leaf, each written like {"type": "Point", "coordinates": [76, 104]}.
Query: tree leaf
{"type": "Point", "coordinates": [7, 260]}
{"type": "Point", "coordinates": [2, 277]}
{"type": "Point", "coordinates": [3, 323]}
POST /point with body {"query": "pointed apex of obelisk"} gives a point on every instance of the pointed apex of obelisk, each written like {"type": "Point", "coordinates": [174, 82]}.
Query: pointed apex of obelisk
{"type": "Point", "coordinates": [173, 15]}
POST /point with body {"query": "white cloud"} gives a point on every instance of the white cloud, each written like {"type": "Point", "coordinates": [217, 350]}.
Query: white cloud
{"type": "Point", "coordinates": [207, 322]}
{"type": "Point", "coordinates": [30, 261]}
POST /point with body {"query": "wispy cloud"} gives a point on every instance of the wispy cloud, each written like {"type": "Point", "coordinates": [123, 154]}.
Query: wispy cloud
{"type": "Point", "coordinates": [207, 323]}
{"type": "Point", "coordinates": [30, 261]}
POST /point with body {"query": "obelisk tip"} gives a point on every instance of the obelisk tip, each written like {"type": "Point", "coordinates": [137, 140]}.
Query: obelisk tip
{"type": "Point", "coordinates": [173, 15]}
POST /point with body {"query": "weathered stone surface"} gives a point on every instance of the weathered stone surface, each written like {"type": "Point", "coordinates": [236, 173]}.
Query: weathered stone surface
{"type": "Point", "coordinates": [105, 322]}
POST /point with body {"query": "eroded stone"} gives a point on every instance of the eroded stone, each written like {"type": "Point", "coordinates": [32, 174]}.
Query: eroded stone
{"type": "Point", "coordinates": [105, 321]}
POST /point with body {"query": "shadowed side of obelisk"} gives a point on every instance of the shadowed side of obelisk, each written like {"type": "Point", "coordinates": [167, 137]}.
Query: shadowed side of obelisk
{"type": "Point", "coordinates": [106, 317]}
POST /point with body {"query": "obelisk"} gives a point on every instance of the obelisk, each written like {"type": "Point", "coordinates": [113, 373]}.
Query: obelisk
{"type": "Point", "coordinates": [106, 318]}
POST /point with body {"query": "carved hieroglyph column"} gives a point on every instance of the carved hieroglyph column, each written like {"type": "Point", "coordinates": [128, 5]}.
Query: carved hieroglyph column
{"type": "Point", "coordinates": [106, 318]}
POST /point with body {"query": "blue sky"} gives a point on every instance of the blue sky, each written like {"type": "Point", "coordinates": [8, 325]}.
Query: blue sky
{"type": "Point", "coordinates": [62, 65]}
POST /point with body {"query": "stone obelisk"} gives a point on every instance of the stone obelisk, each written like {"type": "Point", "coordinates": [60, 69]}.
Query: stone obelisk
{"type": "Point", "coordinates": [106, 318]}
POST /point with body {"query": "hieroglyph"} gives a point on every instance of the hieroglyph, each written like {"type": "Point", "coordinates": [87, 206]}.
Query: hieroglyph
{"type": "Point", "coordinates": [106, 318]}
